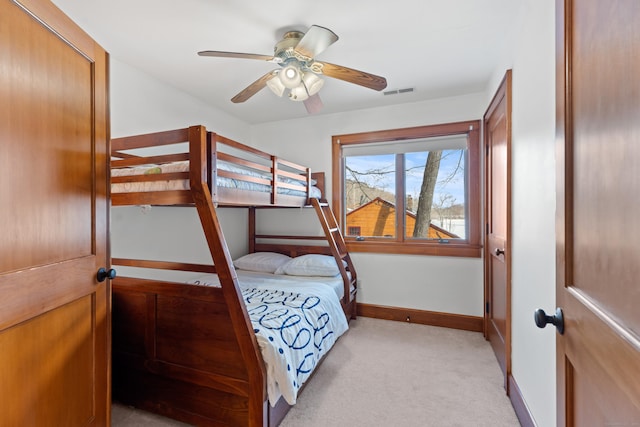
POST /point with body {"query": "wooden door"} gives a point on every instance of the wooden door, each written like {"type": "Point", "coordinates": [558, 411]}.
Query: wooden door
{"type": "Point", "coordinates": [54, 315]}
{"type": "Point", "coordinates": [598, 222]}
{"type": "Point", "coordinates": [497, 131]}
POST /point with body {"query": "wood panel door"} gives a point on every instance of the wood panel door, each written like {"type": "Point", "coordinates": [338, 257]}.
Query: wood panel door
{"type": "Point", "coordinates": [55, 314]}
{"type": "Point", "coordinates": [497, 255]}
{"type": "Point", "coordinates": [598, 222]}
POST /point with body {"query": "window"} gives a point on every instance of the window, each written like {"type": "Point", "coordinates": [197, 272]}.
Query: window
{"type": "Point", "coordinates": [414, 190]}
{"type": "Point", "coordinates": [353, 230]}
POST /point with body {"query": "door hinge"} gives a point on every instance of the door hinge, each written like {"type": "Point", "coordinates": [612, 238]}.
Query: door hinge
{"type": "Point", "coordinates": [487, 149]}
{"type": "Point", "coordinates": [487, 224]}
{"type": "Point", "coordinates": [486, 307]}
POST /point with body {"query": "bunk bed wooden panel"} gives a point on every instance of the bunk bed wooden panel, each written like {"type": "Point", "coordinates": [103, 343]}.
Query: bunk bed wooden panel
{"type": "Point", "coordinates": [186, 351]}
{"type": "Point", "coordinates": [164, 315]}
{"type": "Point", "coordinates": [154, 139]}
{"type": "Point", "coordinates": [160, 198]}
{"type": "Point", "coordinates": [176, 353]}
{"type": "Point", "coordinates": [273, 173]}
{"type": "Point", "coordinates": [236, 197]}
{"type": "Point", "coordinates": [184, 400]}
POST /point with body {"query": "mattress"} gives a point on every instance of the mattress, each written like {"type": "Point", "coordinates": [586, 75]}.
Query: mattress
{"type": "Point", "coordinates": [248, 278]}
{"type": "Point", "coordinates": [183, 184]}
{"type": "Point", "coordinates": [296, 321]}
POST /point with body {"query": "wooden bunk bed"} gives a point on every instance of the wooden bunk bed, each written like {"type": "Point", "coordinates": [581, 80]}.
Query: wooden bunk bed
{"type": "Point", "coordinates": [190, 352]}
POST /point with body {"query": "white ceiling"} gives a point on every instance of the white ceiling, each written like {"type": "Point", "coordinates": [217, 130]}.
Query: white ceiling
{"type": "Point", "coordinates": [440, 48]}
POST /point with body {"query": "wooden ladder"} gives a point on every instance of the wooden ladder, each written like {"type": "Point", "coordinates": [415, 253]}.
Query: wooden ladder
{"type": "Point", "coordinates": [340, 253]}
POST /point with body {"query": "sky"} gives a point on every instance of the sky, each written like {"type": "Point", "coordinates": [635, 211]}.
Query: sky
{"type": "Point", "coordinates": [415, 163]}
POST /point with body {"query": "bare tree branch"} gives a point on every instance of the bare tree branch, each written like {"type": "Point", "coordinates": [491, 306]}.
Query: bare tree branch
{"type": "Point", "coordinates": [425, 201]}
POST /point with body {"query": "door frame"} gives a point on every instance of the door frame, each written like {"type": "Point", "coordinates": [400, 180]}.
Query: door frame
{"type": "Point", "coordinates": [504, 91]}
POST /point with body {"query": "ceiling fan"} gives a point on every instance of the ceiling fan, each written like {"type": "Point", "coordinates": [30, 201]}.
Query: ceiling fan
{"type": "Point", "coordinates": [299, 72]}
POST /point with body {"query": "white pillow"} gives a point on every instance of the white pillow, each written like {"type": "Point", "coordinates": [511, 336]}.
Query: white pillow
{"type": "Point", "coordinates": [310, 265]}
{"type": "Point", "coordinates": [265, 262]}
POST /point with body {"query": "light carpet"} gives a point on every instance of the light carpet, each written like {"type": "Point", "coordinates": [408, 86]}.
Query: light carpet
{"type": "Point", "coordinates": [385, 373]}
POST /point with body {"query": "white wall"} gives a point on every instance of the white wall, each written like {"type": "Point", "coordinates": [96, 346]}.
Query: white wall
{"type": "Point", "coordinates": [141, 104]}
{"type": "Point", "coordinates": [533, 206]}
{"type": "Point", "coordinates": [451, 285]}
{"type": "Point", "coordinates": [534, 192]}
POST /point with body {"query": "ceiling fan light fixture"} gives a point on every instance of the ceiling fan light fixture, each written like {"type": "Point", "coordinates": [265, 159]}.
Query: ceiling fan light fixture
{"type": "Point", "coordinates": [312, 82]}
{"type": "Point", "coordinates": [290, 76]}
{"type": "Point", "coordinates": [276, 86]}
{"type": "Point", "coordinates": [299, 93]}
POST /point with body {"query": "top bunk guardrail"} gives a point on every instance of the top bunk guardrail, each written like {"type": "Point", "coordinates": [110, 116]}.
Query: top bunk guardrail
{"type": "Point", "coordinates": [156, 168]}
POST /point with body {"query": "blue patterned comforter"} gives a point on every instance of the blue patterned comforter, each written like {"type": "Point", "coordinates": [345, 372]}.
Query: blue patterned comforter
{"type": "Point", "coordinates": [296, 323]}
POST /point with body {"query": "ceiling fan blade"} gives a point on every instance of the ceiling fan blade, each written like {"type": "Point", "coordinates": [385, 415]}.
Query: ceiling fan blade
{"type": "Point", "coordinates": [353, 76]}
{"type": "Point", "coordinates": [313, 104]}
{"type": "Point", "coordinates": [219, 54]}
{"type": "Point", "coordinates": [315, 40]}
{"type": "Point", "coordinates": [253, 88]}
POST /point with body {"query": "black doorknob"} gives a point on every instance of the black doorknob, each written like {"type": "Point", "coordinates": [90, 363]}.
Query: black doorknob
{"type": "Point", "coordinates": [542, 319]}
{"type": "Point", "coordinates": [499, 251]}
{"type": "Point", "coordinates": [105, 274]}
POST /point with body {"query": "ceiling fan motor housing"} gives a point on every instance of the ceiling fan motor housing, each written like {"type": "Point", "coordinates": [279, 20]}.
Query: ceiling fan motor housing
{"type": "Point", "coordinates": [284, 48]}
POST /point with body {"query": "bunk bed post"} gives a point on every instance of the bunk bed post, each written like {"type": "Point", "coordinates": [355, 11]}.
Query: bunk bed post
{"type": "Point", "coordinates": [212, 164]}
{"type": "Point", "coordinates": [257, 403]}
{"type": "Point", "coordinates": [309, 184]}
{"type": "Point", "coordinates": [274, 180]}
{"type": "Point", "coordinates": [252, 229]}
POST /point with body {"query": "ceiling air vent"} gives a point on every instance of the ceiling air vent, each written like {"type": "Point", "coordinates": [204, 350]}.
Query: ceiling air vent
{"type": "Point", "coordinates": [397, 91]}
